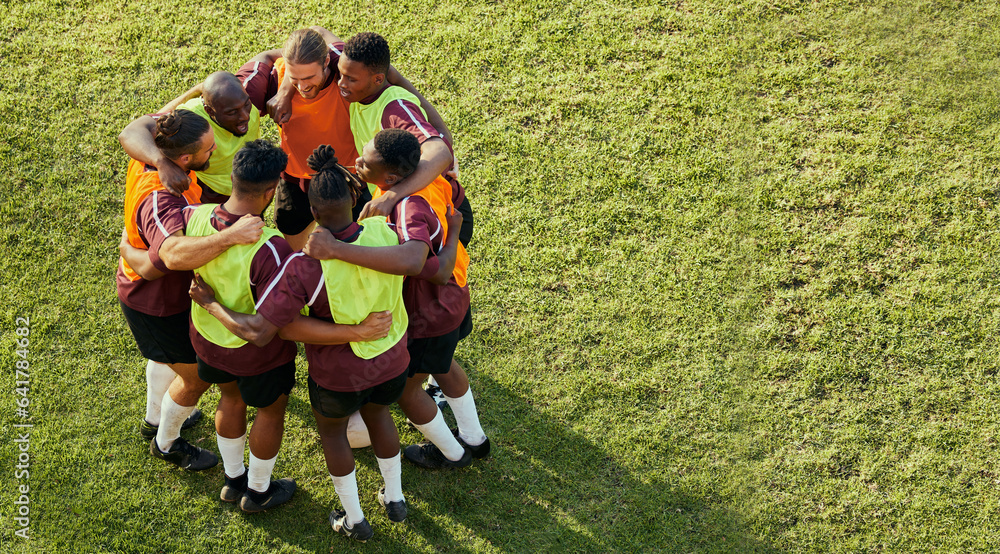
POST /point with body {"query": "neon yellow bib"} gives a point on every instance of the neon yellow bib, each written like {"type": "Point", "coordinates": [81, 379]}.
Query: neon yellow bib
{"type": "Point", "coordinates": [355, 291]}
{"type": "Point", "coordinates": [366, 119]}
{"type": "Point", "coordinates": [218, 176]}
{"type": "Point", "coordinates": [228, 275]}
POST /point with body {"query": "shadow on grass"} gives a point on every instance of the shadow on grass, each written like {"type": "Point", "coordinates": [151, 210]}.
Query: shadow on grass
{"type": "Point", "coordinates": [547, 487]}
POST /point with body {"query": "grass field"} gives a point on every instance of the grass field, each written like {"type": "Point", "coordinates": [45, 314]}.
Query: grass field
{"type": "Point", "coordinates": [735, 278]}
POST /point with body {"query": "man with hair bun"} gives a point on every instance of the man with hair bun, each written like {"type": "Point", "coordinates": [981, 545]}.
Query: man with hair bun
{"type": "Point", "coordinates": [343, 379]}
{"type": "Point", "coordinates": [152, 287]}
{"type": "Point", "coordinates": [296, 86]}
{"type": "Point", "coordinates": [223, 103]}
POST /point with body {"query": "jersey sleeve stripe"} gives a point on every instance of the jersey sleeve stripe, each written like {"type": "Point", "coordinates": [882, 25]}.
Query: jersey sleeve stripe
{"type": "Point", "coordinates": [274, 281]}
{"type": "Point", "coordinates": [277, 259]}
{"type": "Point", "coordinates": [402, 219]}
{"type": "Point", "coordinates": [414, 120]}
{"type": "Point", "coordinates": [256, 67]}
{"type": "Point", "coordinates": [319, 287]}
{"type": "Point", "coordinates": [156, 214]}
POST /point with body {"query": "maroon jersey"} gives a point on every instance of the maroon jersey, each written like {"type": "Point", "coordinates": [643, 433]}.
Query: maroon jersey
{"type": "Point", "coordinates": [433, 310]}
{"type": "Point", "coordinates": [248, 359]}
{"type": "Point", "coordinates": [337, 368]}
{"type": "Point", "coordinates": [158, 217]}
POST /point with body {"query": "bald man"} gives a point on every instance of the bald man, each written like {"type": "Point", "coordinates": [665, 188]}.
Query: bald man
{"type": "Point", "coordinates": [221, 100]}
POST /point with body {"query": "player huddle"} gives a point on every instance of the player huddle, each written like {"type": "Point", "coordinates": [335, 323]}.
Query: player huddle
{"type": "Point", "coordinates": [367, 268]}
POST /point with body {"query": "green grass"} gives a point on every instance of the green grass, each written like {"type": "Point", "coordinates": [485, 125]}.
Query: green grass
{"type": "Point", "coordinates": [734, 275]}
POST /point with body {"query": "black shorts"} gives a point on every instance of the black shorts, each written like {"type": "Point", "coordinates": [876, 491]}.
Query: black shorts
{"type": "Point", "coordinates": [259, 391]}
{"type": "Point", "coordinates": [338, 404]}
{"type": "Point", "coordinates": [434, 354]}
{"type": "Point", "coordinates": [161, 339]}
{"type": "Point", "coordinates": [465, 233]}
{"type": "Point", "coordinates": [291, 207]}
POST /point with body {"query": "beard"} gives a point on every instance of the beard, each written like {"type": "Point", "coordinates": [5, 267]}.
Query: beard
{"type": "Point", "coordinates": [201, 167]}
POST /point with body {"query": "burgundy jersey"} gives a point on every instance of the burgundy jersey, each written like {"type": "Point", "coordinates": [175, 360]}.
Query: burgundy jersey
{"type": "Point", "coordinates": [300, 283]}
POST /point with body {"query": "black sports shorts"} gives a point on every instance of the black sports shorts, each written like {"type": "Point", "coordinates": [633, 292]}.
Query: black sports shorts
{"type": "Point", "coordinates": [338, 404]}
{"type": "Point", "coordinates": [434, 354]}
{"type": "Point", "coordinates": [161, 339]}
{"type": "Point", "coordinates": [259, 391]}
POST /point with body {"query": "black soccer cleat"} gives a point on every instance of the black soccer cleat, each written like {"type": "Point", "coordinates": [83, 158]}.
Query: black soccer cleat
{"type": "Point", "coordinates": [234, 489]}
{"type": "Point", "coordinates": [479, 451]}
{"type": "Point", "coordinates": [185, 455]}
{"type": "Point", "coordinates": [428, 456]}
{"type": "Point", "coordinates": [437, 395]}
{"type": "Point", "coordinates": [360, 532]}
{"type": "Point", "coordinates": [396, 511]}
{"type": "Point", "coordinates": [277, 493]}
{"type": "Point", "coordinates": [148, 430]}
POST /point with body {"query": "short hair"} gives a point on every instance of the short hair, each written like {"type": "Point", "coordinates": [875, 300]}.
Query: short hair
{"type": "Point", "coordinates": [369, 49]}
{"type": "Point", "coordinates": [332, 182]}
{"type": "Point", "coordinates": [257, 167]}
{"type": "Point", "coordinates": [399, 149]}
{"type": "Point", "coordinates": [305, 46]}
{"type": "Point", "coordinates": [179, 132]}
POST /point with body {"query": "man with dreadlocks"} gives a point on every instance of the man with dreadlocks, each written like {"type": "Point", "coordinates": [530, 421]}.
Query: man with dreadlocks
{"type": "Point", "coordinates": [156, 309]}
{"type": "Point", "coordinates": [436, 295]}
{"type": "Point", "coordinates": [343, 379]}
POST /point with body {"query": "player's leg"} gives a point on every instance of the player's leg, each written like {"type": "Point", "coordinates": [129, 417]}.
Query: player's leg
{"type": "Point", "coordinates": [268, 392]}
{"type": "Point", "coordinates": [158, 379]}
{"type": "Point", "coordinates": [444, 449]}
{"type": "Point", "coordinates": [385, 443]}
{"type": "Point", "coordinates": [231, 435]}
{"type": "Point", "coordinates": [455, 385]}
{"type": "Point", "coordinates": [332, 410]}
{"type": "Point", "coordinates": [161, 340]}
{"type": "Point", "coordinates": [178, 403]}
{"type": "Point", "coordinates": [431, 355]}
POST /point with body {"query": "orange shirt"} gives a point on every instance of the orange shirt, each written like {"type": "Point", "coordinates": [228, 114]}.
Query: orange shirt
{"type": "Point", "coordinates": [439, 195]}
{"type": "Point", "coordinates": [140, 183]}
{"type": "Point", "coordinates": [320, 120]}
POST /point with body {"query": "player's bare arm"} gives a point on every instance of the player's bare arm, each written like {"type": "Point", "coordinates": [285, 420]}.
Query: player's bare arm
{"type": "Point", "coordinates": [435, 157]}
{"type": "Point", "coordinates": [138, 259]}
{"type": "Point", "coordinates": [311, 330]}
{"type": "Point", "coordinates": [251, 328]}
{"type": "Point", "coordinates": [183, 253]}
{"type": "Point", "coordinates": [137, 141]}
{"type": "Point", "coordinates": [258, 330]}
{"type": "Point", "coordinates": [404, 259]}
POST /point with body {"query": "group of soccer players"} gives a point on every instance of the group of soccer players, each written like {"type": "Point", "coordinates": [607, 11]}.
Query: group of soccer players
{"type": "Point", "coordinates": [367, 268]}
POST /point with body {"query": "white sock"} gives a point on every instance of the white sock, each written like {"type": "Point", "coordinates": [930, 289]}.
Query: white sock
{"type": "Point", "coordinates": [259, 474]}
{"type": "Point", "coordinates": [392, 474]}
{"type": "Point", "coordinates": [172, 416]}
{"type": "Point", "coordinates": [231, 451]}
{"type": "Point", "coordinates": [467, 418]}
{"type": "Point", "coordinates": [431, 381]}
{"type": "Point", "coordinates": [437, 431]}
{"type": "Point", "coordinates": [158, 379]}
{"type": "Point", "coordinates": [347, 490]}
